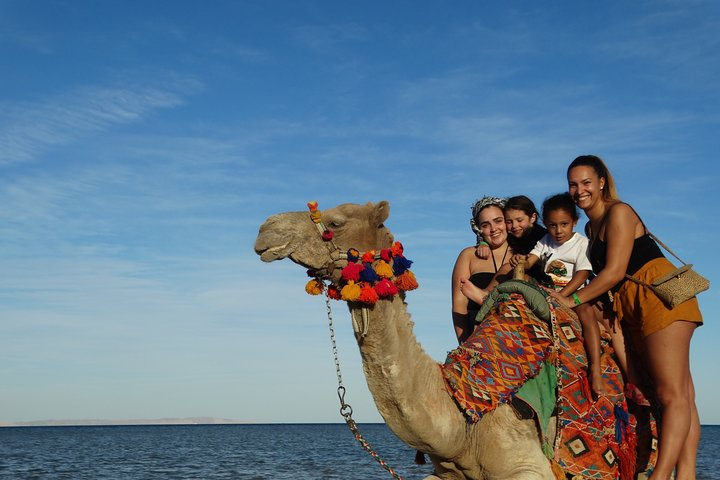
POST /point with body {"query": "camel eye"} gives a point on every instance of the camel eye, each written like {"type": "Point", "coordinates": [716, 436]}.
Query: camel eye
{"type": "Point", "coordinates": [335, 224]}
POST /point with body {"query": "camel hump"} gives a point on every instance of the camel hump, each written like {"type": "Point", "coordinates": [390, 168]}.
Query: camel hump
{"type": "Point", "coordinates": [534, 296]}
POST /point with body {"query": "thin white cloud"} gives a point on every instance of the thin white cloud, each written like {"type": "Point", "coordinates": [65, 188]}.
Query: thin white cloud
{"type": "Point", "coordinates": [31, 128]}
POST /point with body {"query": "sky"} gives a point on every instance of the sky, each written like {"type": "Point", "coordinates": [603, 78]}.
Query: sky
{"type": "Point", "coordinates": [142, 144]}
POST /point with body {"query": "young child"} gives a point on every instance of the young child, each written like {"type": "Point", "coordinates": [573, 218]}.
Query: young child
{"type": "Point", "coordinates": [563, 255]}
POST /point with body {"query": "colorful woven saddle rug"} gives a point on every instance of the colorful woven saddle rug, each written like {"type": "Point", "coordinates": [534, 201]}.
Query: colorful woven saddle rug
{"type": "Point", "coordinates": [508, 347]}
{"type": "Point", "coordinates": [595, 438]}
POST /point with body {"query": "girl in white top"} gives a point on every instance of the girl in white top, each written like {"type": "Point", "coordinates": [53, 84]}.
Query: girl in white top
{"type": "Point", "coordinates": [563, 255]}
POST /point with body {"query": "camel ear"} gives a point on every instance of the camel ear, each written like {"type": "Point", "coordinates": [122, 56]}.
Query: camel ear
{"type": "Point", "coordinates": [381, 211]}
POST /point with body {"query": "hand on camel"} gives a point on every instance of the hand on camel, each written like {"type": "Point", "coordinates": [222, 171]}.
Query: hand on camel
{"type": "Point", "coordinates": [472, 291]}
{"type": "Point", "coordinates": [562, 299]}
{"type": "Point", "coordinates": [517, 258]}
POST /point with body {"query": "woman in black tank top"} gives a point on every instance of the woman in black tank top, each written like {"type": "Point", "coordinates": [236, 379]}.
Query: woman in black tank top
{"type": "Point", "coordinates": [488, 221]}
{"type": "Point", "coordinates": [620, 245]}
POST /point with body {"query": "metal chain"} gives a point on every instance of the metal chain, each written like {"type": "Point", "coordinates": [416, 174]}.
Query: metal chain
{"type": "Point", "coordinates": [345, 408]}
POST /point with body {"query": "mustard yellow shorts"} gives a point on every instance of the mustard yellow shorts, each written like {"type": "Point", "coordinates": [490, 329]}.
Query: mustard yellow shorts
{"type": "Point", "coordinates": [643, 312]}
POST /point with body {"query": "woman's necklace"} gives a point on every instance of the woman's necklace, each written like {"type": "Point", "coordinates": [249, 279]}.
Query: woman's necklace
{"type": "Point", "coordinates": [501, 261]}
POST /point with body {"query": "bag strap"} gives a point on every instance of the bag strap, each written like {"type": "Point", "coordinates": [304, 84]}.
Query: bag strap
{"type": "Point", "coordinates": [657, 240]}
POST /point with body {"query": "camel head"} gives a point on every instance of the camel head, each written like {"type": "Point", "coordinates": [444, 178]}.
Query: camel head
{"type": "Point", "coordinates": [294, 235]}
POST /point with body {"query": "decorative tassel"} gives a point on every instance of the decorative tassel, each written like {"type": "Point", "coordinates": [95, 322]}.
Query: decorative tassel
{"type": "Point", "coordinates": [557, 471]}
{"type": "Point", "coordinates": [419, 458]}
{"type": "Point", "coordinates": [383, 269]}
{"type": "Point", "coordinates": [352, 272]}
{"type": "Point", "coordinates": [314, 287]}
{"type": "Point", "coordinates": [315, 216]}
{"type": "Point", "coordinates": [368, 294]}
{"type": "Point", "coordinates": [350, 292]}
{"type": "Point", "coordinates": [627, 450]}
{"type": "Point", "coordinates": [368, 257]}
{"type": "Point", "coordinates": [397, 249]}
{"type": "Point", "coordinates": [406, 281]}
{"type": "Point", "coordinates": [386, 254]}
{"type": "Point", "coordinates": [400, 265]}
{"type": "Point", "coordinates": [385, 288]}
{"type": "Point", "coordinates": [327, 235]}
{"type": "Point", "coordinates": [622, 421]}
{"type": "Point", "coordinates": [333, 292]}
{"type": "Point", "coordinates": [368, 274]}
{"type": "Point", "coordinates": [353, 255]}
{"type": "Point", "coordinates": [585, 386]}
{"type": "Point", "coordinates": [312, 205]}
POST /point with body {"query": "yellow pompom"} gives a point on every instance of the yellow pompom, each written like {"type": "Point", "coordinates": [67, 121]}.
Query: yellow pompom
{"type": "Point", "coordinates": [350, 292]}
{"type": "Point", "coordinates": [314, 287]}
{"type": "Point", "coordinates": [316, 215]}
{"type": "Point", "coordinates": [383, 269]}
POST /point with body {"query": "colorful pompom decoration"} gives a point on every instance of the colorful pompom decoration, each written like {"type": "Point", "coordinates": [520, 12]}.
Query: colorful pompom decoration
{"type": "Point", "coordinates": [368, 294]}
{"type": "Point", "coordinates": [368, 274]}
{"type": "Point", "coordinates": [350, 292]}
{"type": "Point", "coordinates": [333, 292]}
{"type": "Point", "coordinates": [368, 257]}
{"type": "Point", "coordinates": [406, 281]}
{"type": "Point", "coordinates": [401, 264]}
{"type": "Point", "coordinates": [385, 288]}
{"type": "Point", "coordinates": [383, 270]}
{"type": "Point", "coordinates": [314, 287]}
{"type": "Point", "coordinates": [352, 272]}
{"type": "Point", "coordinates": [366, 278]}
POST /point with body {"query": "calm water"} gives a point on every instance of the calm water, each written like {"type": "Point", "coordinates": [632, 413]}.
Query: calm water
{"type": "Point", "coordinates": [302, 451]}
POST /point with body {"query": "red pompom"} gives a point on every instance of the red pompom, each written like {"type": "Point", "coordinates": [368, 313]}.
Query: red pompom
{"type": "Point", "coordinates": [397, 249]}
{"type": "Point", "coordinates": [368, 257]}
{"type": "Point", "coordinates": [333, 292]}
{"type": "Point", "coordinates": [312, 205]}
{"type": "Point", "coordinates": [352, 272]}
{"type": "Point", "coordinates": [385, 288]}
{"type": "Point", "coordinates": [368, 294]}
{"type": "Point", "coordinates": [386, 254]}
{"type": "Point", "coordinates": [327, 235]}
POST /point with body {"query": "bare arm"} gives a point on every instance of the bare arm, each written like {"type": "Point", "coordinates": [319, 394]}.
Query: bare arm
{"type": "Point", "coordinates": [577, 281]}
{"type": "Point", "coordinates": [620, 231]}
{"type": "Point", "coordinates": [461, 272]}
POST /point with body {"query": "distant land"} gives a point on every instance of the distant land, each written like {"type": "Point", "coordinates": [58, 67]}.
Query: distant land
{"type": "Point", "coordinates": [99, 422]}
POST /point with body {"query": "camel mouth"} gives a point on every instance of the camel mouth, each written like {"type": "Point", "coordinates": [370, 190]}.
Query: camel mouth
{"type": "Point", "coordinates": [271, 254]}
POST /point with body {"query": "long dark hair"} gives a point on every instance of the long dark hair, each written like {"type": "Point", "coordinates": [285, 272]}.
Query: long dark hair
{"type": "Point", "coordinates": [609, 192]}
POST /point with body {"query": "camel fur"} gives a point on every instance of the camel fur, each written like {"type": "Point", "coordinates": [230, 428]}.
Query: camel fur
{"type": "Point", "coordinates": [406, 383]}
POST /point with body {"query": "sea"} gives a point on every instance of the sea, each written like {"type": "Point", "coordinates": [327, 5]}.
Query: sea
{"type": "Point", "coordinates": [254, 452]}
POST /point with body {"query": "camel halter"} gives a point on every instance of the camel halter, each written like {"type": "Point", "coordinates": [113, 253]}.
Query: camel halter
{"type": "Point", "coordinates": [365, 279]}
{"type": "Point", "coordinates": [317, 285]}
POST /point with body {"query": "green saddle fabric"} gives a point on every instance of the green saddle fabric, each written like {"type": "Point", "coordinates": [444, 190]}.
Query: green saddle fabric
{"type": "Point", "coordinates": [535, 297]}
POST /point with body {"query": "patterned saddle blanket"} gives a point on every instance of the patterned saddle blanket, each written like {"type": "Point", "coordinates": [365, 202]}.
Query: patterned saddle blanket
{"type": "Point", "coordinates": [518, 334]}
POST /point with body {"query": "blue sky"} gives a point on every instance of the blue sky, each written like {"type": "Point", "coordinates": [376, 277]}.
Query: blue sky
{"type": "Point", "coordinates": [143, 143]}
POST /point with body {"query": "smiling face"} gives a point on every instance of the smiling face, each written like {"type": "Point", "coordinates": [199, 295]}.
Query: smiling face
{"type": "Point", "coordinates": [560, 224]}
{"type": "Point", "coordinates": [585, 186]}
{"type": "Point", "coordinates": [518, 223]}
{"type": "Point", "coordinates": [491, 222]}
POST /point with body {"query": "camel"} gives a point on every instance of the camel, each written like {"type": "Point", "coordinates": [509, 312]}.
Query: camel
{"type": "Point", "coordinates": [406, 383]}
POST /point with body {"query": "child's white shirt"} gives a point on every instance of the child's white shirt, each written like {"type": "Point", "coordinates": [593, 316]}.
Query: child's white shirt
{"type": "Point", "coordinates": [573, 254]}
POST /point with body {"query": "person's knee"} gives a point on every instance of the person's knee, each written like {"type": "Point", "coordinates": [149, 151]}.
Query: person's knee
{"type": "Point", "coordinates": [672, 396]}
